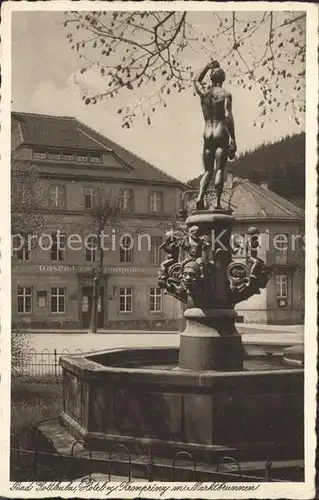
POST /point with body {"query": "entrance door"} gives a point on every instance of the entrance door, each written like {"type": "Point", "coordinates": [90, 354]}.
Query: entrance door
{"type": "Point", "coordinates": [86, 307]}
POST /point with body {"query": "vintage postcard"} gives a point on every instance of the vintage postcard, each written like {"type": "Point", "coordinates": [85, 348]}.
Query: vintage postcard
{"type": "Point", "coordinates": [158, 249]}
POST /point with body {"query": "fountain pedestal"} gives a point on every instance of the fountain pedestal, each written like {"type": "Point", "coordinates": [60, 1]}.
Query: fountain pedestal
{"type": "Point", "coordinates": [210, 341]}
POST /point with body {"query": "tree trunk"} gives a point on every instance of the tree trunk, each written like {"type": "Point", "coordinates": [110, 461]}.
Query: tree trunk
{"type": "Point", "coordinates": [96, 282]}
{"type": "Point", "coordinates": [95, 299]}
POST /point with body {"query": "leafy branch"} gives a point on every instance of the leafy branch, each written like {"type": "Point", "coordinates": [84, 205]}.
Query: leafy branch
{"type": "Point", "coordinates": [148, 53]}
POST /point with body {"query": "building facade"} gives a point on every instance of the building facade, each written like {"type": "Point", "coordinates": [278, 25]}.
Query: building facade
{"type": "Point", "coordinates": [52, 278]}
{"type": "Point", "coordinates": [281, 226]}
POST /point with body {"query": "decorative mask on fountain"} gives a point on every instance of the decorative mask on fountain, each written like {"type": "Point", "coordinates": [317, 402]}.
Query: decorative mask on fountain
{"type": "Point", "coordinates": [246, 279]}
{"type": "Point", "coordinates": [191, 279]}
{"type": "Point", "coordinates": [186, 278]}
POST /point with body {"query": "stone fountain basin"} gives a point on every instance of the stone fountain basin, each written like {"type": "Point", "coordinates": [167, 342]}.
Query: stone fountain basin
{"type": "Point", "coordinates": [138, 397]}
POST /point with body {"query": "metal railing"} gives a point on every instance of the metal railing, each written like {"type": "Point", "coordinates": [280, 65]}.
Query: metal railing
{"type": "Point", "coordinates": [42, 465]}
{"type": "Point", "coordinates": [43, 363]}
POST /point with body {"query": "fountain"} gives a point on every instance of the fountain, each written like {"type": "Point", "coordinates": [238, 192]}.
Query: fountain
{"type": "Point", "coordinates": [210, 397]}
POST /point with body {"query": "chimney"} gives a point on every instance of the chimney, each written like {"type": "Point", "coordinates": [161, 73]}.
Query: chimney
{"type": "Point", "coordinates": [264, 185]}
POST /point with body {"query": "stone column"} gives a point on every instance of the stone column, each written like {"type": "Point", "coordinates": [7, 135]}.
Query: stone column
{"type": "Point", "coordinates": [210, 340]}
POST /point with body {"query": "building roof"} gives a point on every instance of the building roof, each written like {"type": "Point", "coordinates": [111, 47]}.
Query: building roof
{"type": "Point", "coordinates": [45, 131]}
{"type": "Point", "coordinates": [251, 201]}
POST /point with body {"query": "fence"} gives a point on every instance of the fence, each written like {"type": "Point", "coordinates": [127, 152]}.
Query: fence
{"type": "Point", "coordinates": [44, 363]}
{"type": "Point", "coordinates": [39, 465]}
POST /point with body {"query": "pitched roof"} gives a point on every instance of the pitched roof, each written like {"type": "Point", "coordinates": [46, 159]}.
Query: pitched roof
{"type": "Point", "coordinates": [46, 131]}
{"type": "Point", "coordinates": [251, 201]}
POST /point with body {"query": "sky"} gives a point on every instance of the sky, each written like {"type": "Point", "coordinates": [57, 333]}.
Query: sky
{"type": "Point", "coordinates": [43, 73]}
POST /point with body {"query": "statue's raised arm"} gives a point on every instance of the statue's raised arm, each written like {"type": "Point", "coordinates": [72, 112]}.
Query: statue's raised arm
{"type": "Point", "coordinates": [198, 82]}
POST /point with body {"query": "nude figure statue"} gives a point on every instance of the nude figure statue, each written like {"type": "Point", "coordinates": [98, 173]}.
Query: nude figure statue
{"type": "Point", "coordinates": [219, 131]}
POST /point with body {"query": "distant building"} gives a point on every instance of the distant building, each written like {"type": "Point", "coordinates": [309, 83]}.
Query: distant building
{"type": "Point", "coordinates": [281, 225]}
{"type": "Point", "coordinates": [53, 288]}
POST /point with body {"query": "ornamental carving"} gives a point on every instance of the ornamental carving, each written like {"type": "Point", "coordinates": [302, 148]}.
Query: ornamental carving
{"type": "Point", "coordinates": [192, 272]}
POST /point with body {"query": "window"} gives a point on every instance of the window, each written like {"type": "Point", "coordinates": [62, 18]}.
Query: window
{"type": "Point", "coordinates": [95, 158]}
{"type": "Point", "coordinates": [68, 156]}
{"type": "Point", "coordinates": [155, 252]}
{"type": "Point", "coordinates": [281, 286]}
{"type": "Point", "coordinates": [58, 299]}
{"type": "Point", "coordinates": [57, 195]}
{"type": "Point", "coordinates": [24, 299]}
{"type": "Point", "coordinates": [281, 247]}
{"type": "Point", "coordinates": [39, 155]}
{"type": "Point", "coordinates": [54, 156]}
{"type": "Point", "coordinates": [90, 250]}
{"type": "Point", "coordinates": [21, 244]}
{"type": "Point", "coordinates": [125, 200]}
{"type": "Point", "coordinates": [155, 300]}
{"type": "Point", "coordinates": [156, 202]}
{"type": "Point", "coordinates": [88, 197]}
{"type": "Point", "coordinates": [82, 157]}
{"type": "Point", "coordinates": [58, 247]}
{"type": "Point", "coordinates": [126, 253]}
{"type": "Point", "coordinates": [126, 294]}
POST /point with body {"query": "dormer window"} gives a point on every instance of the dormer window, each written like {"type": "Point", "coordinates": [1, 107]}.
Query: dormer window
{"type": "Point", "coordinates": [54, 156]}
{"type": "Point", "coordinates": [95, 158]}
{"type": "Point", "coordinates": [39, 155]}
{"type": "Point", "coordinates": [81, 157]}
{"type": "Point", "coordinates": [68, 156]}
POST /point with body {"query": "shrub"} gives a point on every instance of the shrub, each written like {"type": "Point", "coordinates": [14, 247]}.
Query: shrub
{"type": "Point", "coordinates": [32, 402]}
{"type": "Point", "coordinates": [20, 350]}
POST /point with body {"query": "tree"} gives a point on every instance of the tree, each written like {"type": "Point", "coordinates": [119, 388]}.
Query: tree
{"type": "Point", "coordinates": [105, 209]}
{"type": "Point", "coordinates": [152, 53]}
{"type": "Point", "coordinates": [28, 197]}
{"type": "Point", "coordinates": [30, 201]}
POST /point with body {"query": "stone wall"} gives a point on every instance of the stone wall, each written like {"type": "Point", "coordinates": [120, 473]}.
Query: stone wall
{"type": "Point", "coordinates": [113, 403]}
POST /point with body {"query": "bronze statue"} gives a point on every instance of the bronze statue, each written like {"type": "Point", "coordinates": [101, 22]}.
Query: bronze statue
{"type": "Point", "coordinates": [258, 270]}
{"type": "Point", "coordinates": [197, 246]}
{"type": "Point", "coordinates": [170, 246]}
{"type": "Point", "coordinates": [219, 132]}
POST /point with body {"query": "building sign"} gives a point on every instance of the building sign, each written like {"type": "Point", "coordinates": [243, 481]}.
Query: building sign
{"type": "Point", "coordinates": [282, 302]}
{"type": "Point", "coordinates": [42, 298]}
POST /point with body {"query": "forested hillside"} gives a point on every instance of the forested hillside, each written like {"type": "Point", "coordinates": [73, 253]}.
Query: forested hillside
{"type": "Point", "coordinates": [281, 164]}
